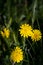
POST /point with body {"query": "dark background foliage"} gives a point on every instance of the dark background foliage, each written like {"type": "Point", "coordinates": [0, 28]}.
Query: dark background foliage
{"type": "Point", "coordinates": [21, 11]}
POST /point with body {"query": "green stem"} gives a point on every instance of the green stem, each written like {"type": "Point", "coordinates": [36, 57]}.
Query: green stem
{"type": "Point", "coordinates": [15, 38]}
{"type": "Point", "coordinates": [34, 12]}
{"type": "Point", "coordinates": [27, 58]}
{"type": "Point", "coordinates": [31, 46]}
{"type": "Point", "coordinates": [36, 44]}
{"type": "Point", "coordinates": [13, 63]}
{"type": "Point", "coordinates": [9, 24]}
{"type": "Point", "coordinates": [38, 24]}
{"type": "Point", "coordinates": [24, 43]}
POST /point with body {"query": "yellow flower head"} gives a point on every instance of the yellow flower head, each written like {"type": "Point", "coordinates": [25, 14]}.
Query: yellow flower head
{"type": "Point", "coordinates": [25, 30]}
{"type": "Point", "coordinates": [5, 33]}
{"type": "Point", "coordinates": [36, 36]}
{"type": "Point", "coordinates": [17, 55]}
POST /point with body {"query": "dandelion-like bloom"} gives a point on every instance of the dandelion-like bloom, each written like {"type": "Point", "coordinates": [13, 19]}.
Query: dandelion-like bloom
{"type": "Point", "coordinates": [17, 55]}
{"type": "Point", "coordinates": [36, 36]}
{"type": "Point", "coordinates": [25, 30]}
{"type": "Point", "coordinates": [5, 32]}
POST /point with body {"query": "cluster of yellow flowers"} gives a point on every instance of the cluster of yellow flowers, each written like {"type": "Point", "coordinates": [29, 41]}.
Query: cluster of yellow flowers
{"type": "Point", "coordinates": [5, 32]}
{"type": "Point", "coordinates": [26, 31]}
{"type": "Point", "coordinates": [17, 55]}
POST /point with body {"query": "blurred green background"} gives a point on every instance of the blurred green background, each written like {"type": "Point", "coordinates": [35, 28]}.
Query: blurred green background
{"type": "Point", "coordinates": [21, 11]}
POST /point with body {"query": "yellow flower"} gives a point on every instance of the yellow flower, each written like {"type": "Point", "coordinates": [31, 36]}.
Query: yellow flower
{"type": "Point", "coordinates": [36, 36]}
{"type": "Point", "coordinates": [5, 33]}
{"type": "Point", "coordinates": [17, 55]}
{"type": "Point", "coordinates": [2, 34]}
{"type": "Point", "coordinates": [25, 30]}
